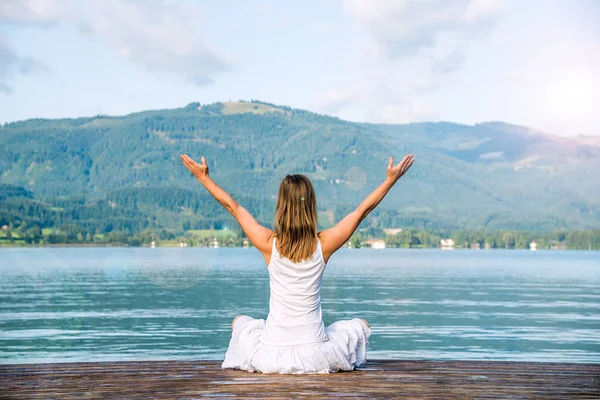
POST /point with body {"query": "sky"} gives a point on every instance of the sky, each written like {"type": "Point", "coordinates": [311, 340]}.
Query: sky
{"type": "Point", "coordinates": [534, 63]}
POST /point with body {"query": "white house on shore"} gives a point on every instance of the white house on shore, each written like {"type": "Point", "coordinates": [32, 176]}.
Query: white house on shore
{"type": "Point", "coordinates": [447, 243]}
{"type": "Point", "coordinates": [533, 246]}
{"type": "Point", "coordinates": [376, 243]}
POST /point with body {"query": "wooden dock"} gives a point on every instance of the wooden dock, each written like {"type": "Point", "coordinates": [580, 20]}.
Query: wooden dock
{"type": "Point", "coordinates": [375, 379]}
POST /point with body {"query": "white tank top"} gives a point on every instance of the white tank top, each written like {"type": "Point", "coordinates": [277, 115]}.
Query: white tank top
{"type": "Point", "coordinates": [295, 316]}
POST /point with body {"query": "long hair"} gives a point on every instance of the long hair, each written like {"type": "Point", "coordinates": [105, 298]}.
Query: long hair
{"type": "Point", "coordinates": [296, 218]}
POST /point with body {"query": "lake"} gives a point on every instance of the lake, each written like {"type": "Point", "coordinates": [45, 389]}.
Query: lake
{"type": "Point", "coordinates": [109, 304]}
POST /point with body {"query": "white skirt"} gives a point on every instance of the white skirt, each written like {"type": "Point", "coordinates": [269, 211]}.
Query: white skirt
{"type": "Point", "coordinates": [345, 349]}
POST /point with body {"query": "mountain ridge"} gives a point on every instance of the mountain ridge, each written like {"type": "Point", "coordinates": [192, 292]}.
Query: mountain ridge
{"type": "Point", "coordinates": [488, 175]}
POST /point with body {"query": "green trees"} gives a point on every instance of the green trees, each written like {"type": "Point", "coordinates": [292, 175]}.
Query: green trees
{"type": "Point", "coordinates": [583, 240]}
{"type": "Point", "coordinates": [136, 216]}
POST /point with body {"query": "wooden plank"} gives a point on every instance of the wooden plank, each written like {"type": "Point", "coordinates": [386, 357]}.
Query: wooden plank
{"type": "Point", "coordinates": [375, 379]}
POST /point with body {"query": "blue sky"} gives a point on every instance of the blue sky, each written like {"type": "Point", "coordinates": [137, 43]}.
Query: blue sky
{"type": "Point", "coordinates": [534, 63]}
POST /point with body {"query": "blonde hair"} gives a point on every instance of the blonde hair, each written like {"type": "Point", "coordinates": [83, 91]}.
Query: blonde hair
{"type": "Point", "coordinates": [296, 218]}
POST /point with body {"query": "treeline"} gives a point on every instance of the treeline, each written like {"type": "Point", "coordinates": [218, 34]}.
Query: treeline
{"type": "Point", "coordinates": [421, 238]}
{"type": "Point", "coordinates": [72, 234]}
{"type": "Point", "coordinates": [75, 235]}
{"type": "Point", "coordinates": [138, 216]}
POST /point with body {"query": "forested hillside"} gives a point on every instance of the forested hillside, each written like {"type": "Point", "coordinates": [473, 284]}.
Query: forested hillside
{"type": "Point", "coordinates": [124, 172]}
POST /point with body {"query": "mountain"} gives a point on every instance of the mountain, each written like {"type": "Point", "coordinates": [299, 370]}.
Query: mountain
{"type": "Point", "coordinates": [487, 176]}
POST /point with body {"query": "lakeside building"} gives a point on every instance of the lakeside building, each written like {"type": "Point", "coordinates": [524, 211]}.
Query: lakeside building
{"type": "Point", "coordinates": [556, 245]}
{"type": "Point", "coordinates": [447, 244]}
{"type": "Point", "coordinates": [376, 243]}
{"type": "Point", "coordinates": [533, 246]}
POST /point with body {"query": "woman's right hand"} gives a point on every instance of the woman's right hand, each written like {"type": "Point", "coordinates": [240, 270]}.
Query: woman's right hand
{"type": "Point", "coordinates": [200, 171]}
{"type": "Point", "coordinates": [395, 172]}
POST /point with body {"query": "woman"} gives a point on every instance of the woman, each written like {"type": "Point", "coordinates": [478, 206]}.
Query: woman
{"type": "Point", "coordinates": [293, 339]}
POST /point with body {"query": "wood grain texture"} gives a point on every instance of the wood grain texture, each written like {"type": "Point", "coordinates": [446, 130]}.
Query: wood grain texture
{"type": "Point", "coordinates": [375, 379]}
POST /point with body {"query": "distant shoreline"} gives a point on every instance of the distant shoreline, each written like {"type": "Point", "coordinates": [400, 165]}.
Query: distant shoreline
{"type": "Point", "coordinates": [86, 245]}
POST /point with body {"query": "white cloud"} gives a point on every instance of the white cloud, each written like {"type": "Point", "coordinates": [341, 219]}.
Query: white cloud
{"type": "Point", "coordinates": [483, 10]}
{"type": "Point", "coordinates": [434, 30]}
{"type": "Point", "coordinates": [492, 155]}
{"type": "Point", "coordinates": [333, 100]}
{"type": "Point", "coordinates": [415, 45]}
{"type": "Point", "coordinates": [406, 27]}
{"type": "Point", "coordinates": [404, 112]}
{"type": "Point", "coordinates": [12, 64]}
{"type": "Point", "coordinates": [34, 11]}
{"type": "Point", "coordinates": [161, 35]}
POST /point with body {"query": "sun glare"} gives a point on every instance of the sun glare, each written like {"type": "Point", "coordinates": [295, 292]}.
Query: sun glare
{"type": "Point", "coordinates": [571, 95]}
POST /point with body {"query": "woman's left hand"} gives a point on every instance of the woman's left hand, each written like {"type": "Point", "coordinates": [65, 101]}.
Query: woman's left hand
{"type": "Point", "coordinates": [200, 171]}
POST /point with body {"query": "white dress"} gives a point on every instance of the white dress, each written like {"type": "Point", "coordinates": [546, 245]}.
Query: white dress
{"type": "Point", "coordinates": [293, 339]}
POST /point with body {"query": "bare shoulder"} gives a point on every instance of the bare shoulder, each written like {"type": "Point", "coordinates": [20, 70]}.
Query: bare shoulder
{"type": "Point", "coordinates": [324, 237]}
{"type": "Point", "coordinates": [267, 250]}
{"type": "Point", "coordinates": [325, 247]}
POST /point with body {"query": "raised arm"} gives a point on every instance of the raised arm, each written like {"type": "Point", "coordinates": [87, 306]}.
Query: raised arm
{"type": "Point", "coordinates": [334, 238]}
{"type": "Point", "coordinates": [257, 234]}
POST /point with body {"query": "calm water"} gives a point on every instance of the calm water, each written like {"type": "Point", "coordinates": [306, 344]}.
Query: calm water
{"type": "Point", "coordinates": [94, 304]}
